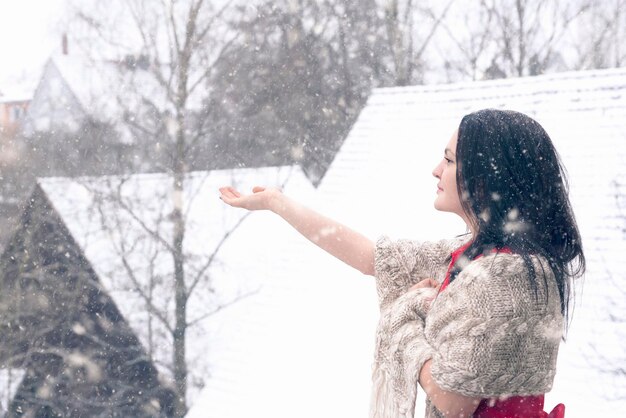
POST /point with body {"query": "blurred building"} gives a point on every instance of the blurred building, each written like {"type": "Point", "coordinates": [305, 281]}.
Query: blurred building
{"type": "Point", "coordinates": [74, 115]}
{"type": "Point", "coordinates": [12, 111]}
{"type": "Point", "coordinates": [66, 349]}
{"type": "Point", "coordinates": [14, 103]}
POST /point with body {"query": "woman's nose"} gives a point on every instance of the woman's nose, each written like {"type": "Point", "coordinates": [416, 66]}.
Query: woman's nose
{"type": "Point", "coordinates": [436, 171]}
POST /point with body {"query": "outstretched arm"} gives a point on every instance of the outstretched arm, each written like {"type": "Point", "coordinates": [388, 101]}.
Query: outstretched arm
{"type": "Point", "coordinates": [338, 240]}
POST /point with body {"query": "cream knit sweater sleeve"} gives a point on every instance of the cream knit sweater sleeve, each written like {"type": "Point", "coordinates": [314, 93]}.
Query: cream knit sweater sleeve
{"type": "Point", "coordinates": [401, 349]}
{"type": "Point", "coordinates": [492, 334]}
{"type": "Point", "coordinates": [400, 264]}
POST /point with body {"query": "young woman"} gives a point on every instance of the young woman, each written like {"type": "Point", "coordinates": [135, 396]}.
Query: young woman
{"type": "Point", "coordinates": [476, 321]}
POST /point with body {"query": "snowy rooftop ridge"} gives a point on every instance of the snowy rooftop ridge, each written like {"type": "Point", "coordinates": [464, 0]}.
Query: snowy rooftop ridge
{"type": "Point", "coordinates": [563, 79]}
{"type": "Point", "coordinates": [15, 98]}
{"type": "Point", "coordinates": [575, 91]}
{"type": "Point", "coordinates": [20, 90]}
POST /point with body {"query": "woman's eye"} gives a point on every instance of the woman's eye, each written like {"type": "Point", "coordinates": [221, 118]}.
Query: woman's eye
{"type": "Point", "coordinates": [448, 161]}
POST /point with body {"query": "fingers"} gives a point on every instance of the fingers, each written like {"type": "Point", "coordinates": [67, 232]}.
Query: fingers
{"type": "Point", "coordinates": [254, 201]}
{"type": "Point", "coordinates": [229, 192]}
{"type": "Point", "coordinates": [431, 283]}
{"type": "Point", "coordinates": [425, 283]}
{"type": "Point", "coordinates": [233, 192]}
{"type": "Point", "coordinates": [229, 195]}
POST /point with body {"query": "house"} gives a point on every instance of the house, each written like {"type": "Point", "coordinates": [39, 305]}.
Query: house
{"type": "Point", "coordinates": [75, 111]}
{"type": "Point", "coordinates": [74, 352]}
{"type": "Point", "coordinates": [54, 104]}
{"type": "Point", "coordinates": [12, 109]}
{"type": "Point", "coordinates": [120, 227]}
{"type": "Point", "coordinates": [72, 89]}
{"type": "Point", "coordinates": [380, 183]}
{"type": "Point", "coordinates": [13, 106]}
{"type": "Point", "coordinates": [14, 103]}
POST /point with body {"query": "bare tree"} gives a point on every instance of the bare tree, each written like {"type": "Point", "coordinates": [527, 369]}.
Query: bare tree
{"type": "Point", "coordinates": [600, 39]}
{"type": "Point", "coordinates": [504, 38]}
{"type": "Point", "coordinates": [301, 71]}
{"type": "Point", "coordinates": [471, 36]}
{"type": "Point", "coordinates": [529, 32]}
{"type": "Point", "coordinates": [136, 220]}
{"type": "Point", "coordinates": [408, 36]}
{"type": "Point", "coordinates": [166, 52]}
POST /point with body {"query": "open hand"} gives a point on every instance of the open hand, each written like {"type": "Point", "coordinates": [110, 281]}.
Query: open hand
{"type": "Point", "coordinates": [261, 198]}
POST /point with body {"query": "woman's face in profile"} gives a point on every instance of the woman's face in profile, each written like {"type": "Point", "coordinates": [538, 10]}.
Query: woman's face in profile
{"type": "Point", "coordinates": [447, 199]}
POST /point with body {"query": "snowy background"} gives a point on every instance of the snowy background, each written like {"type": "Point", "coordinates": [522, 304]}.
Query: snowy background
{"type": "Point", "coordinates": [347, 106]}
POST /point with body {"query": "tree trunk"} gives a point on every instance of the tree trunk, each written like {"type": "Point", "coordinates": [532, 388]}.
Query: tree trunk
{"type": "Point", "coordinates": [520, 8]}
{"type": "Point", "coordinates": [180, 327]}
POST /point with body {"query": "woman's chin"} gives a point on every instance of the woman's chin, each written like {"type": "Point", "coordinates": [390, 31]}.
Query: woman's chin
{"type": "Point", "coordinates": [438, 207]}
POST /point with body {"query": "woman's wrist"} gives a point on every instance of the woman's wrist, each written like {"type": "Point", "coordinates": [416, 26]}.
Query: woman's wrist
{"type": "Point", "coordinates": [276, 202]}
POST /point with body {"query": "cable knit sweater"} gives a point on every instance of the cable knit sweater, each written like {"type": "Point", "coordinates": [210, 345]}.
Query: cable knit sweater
{"type": "Point", "coordinates": [489, 334]}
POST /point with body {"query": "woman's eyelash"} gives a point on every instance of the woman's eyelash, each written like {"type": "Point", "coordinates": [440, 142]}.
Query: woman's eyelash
{"type": "Point", "coordinates": [447, 159]}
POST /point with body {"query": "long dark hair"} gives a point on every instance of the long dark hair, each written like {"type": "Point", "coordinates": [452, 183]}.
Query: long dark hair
{"type": "Point", "coordinates": [514, 190]}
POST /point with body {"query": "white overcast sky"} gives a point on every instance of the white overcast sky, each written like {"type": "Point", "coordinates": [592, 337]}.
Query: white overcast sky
{"type": "Point", "coordinates": [29, 33]}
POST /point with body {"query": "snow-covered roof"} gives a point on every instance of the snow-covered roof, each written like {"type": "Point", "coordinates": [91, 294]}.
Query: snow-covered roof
{"type": "Point", "coordinates": [381, 181]}
{"type": "Point", "coordinates": [96, 86]}
{"type": "Point", "coordinates": [17, 90]}
{"type": "Point", "coordinates": [16, 97]}
{"type": "Point", "coordinates": [115, 220]}
{"type": "Point", "coordinates": [107, 88]}
{"type": "Point", "coordinates": [109, 91]}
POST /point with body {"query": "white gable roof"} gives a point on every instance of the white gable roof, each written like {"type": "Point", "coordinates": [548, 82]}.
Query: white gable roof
{"type": "Point", "coordinates": [72, 87]}
{"type": "Point", "coordinates": [380, 182]}
{"type": "Point", "coordinates": [113, 232]}
{"type": "Point", "coordinates": [18, 89]}
{"type": "Point", "coordinates": [107, 88]}
{"type": "Point", "coordinates": [54, 104]}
